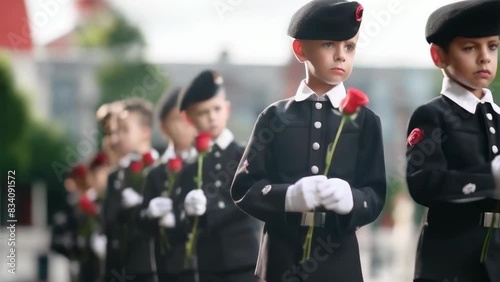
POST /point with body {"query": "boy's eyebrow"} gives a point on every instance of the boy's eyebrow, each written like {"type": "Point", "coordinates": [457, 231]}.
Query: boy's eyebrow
{"type": "Point", "coordinates": [352, 42]}
{"type": "Point", "coordinates": [204, 111]}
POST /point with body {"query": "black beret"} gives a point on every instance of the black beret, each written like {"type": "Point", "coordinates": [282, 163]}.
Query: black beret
{"type": "Point", "coordinates": [335, 20]}
{"type": "Point", "coordinates": [169, 102]}
{"type": "Point", "coordinates": [205, 86]}
{"type": "Point", "coordinates": [471, 18]}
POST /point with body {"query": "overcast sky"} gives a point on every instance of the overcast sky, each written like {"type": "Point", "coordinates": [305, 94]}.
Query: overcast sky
{"type": "Point", "coordinates": [254, 31]}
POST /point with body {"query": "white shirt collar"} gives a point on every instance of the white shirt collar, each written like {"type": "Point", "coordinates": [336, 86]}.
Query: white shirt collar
{"type": "Point", "coordinates": [464, 98]}
{"type": "Point", "coordinates": [224, 139]}
{"type": "Point", "coordinates": [170, 153]}
{"type": "Point", "coordinates": [335, 95]}
{"type": "Point", "coordinates": [125, 161]}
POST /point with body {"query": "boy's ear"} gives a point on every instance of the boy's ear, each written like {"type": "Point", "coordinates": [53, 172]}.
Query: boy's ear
{"type": "Point", "coordinates": [438, 56]}
{"type": "Point", "coordinates": [298, 50]}
{"type": "Point", "coordinates": [228, 105]}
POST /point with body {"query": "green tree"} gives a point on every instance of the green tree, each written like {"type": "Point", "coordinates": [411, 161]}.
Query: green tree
{"type": "Point", "coordinates": [46, 147]}
{"type": "Point", "coordinates": [122, 80]}
{"type": "Point", "coordinates": [27, 146]}
{"type": "Point", "coordinates": [111, 30]}
{"type": "Point", "coordinates": [125, 74]}
{"type": "Point", "coordinates": [14, 123]}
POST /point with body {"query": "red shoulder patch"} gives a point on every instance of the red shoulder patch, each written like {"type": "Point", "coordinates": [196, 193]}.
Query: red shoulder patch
{"type": "Point", "coordinates": [415, 137]}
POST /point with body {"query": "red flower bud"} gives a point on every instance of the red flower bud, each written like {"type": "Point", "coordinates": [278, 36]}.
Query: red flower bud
{"type": "Point", "coordinates": [415, 137]}
{"type": "Point", "coordinates": [136, 166]}
{"type": "Point", "coordinates": [174, 165]}
{"type": "Point", "coordinates": [99, 159]}
{"type": "Point", "coordinates": [79, 171]}
{"type": "Point", "coordinates": [354, 100]}
{"type": "Point", "coordinates": [202, 142]}
{"type": "Point", "coordinates": [148, 159]}
{"type": "Point", "coordinates": [87, 206]}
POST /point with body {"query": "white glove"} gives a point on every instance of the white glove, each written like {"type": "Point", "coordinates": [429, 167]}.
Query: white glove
{"type": "Point", "coordinates": [195, 203]}
{"type": "Point", "coordinates": [130, 198]}
{"type": "Point", "coordinates": [159, 206]}
{"type": "Point", "coordinates": [168, 220]}
{"type": "Point", "coordinates": [98, 245]}
{"type": "Point", "coordinates": [335, 194]}
{"type": "Point", "coordinates": [302, 196]}
{"type": "Point", "coordinates": [495, 169]}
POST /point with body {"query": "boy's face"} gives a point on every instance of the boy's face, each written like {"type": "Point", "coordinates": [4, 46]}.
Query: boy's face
{"type": "Point", "coordinates": [472, 61]}
{"type": "Point", "coordinates": [210, 115]}
{"type": "Point", "coordinates": [111, 133]}
{"type": "Point", "coordinates": [111, 140]}
{"type": "Point", "coordinates": [328, 61]}
{"type": "Point", "coordinates": [131, 133]}
{"type": "Point", "coordinates": [99, 178]}
{"type": "Point", "coordinates": [178, 129]}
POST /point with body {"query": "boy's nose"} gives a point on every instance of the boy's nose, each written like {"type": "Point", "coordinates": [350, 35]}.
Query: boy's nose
{"type": "Point", "coordinates": [484, 56]}
{"type": "Point", "coordinates": [339, 55]}
{"type": "Point", "coordinates": [211, 116]}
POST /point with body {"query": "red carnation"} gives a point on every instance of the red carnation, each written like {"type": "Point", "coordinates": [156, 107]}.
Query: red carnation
{"type": "Point", "coordinates": [79, 171]}
{"type": "Point", "coordinates": [202, 142]}
{"type": "Point", "coordinates": [87, 206]}
{"type": "Point", "coordinates": [415, 137]}
{"type": "Point", "coordinates": [359, 13]}
{"type": "Point", "coordinates": [175, 165]}
{"type": "Point", "coordinates": [99, 159]}
{"type": "Point", "coordinates": [148, 159]}
{"type": "Point", "coordinates": [353, 101]}
{"type": "Point", "coordinates": [136, 166]}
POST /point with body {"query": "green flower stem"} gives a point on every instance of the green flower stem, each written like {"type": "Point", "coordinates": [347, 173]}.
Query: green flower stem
{"type": "Point", "coordinates": [191, 243]}
{"type": "Point", "coordinates": [200, 169]}
{"type": "Point", "coordinates": [306, 254]}
{"type": "Point", "coordinates": [331, 150]}
{"type": "Point", "coordinates": [165, 243]}
{"type": "Point", "coordinates": [306, 248]}
{"type": "Point", "coordinates": [487, 240]}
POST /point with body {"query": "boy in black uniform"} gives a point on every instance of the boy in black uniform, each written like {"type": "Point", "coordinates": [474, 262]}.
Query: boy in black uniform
{"type": "Point", "coordinates": [453, 148]}
{"type": "Point", "coordinates": [226, 246]}
{"type": "Point", "coordinates": [129, 244]}
{"type": "Point", "coordinates": [180, 136]}
{"type": "Point", "coordinates": [279, 180]}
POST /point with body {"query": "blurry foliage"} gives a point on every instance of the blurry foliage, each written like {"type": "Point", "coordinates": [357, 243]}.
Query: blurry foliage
{"type": "Point", "coordinates": [122, 80]}
{"type": "Point", "coordinates": [122, 33]}
{"type": "Point", "coordinates": [14, 123]}
{"type": "Point", "coordinates": [26, 145]}
{"type": "Point", "coordinates": [110, 30]}
{"type": "Point", "coordinates": [125, 74]}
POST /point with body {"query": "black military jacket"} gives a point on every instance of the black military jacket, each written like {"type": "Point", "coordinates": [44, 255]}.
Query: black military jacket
{"type": "Point", "coordinates": [290, 141]}
{"type": "Point", "coordinates": [129, 245]}
{"type": "Point", "coordinates": [169, 256]}
{"type": "Point", "coordinates": [227, 238]}
{"type": "Point", "coordinates": [449, 171]}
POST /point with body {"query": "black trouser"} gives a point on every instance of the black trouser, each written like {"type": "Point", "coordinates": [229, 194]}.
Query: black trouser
{"type": "Point", "coordinates": [178, 277]}
{"type": "Point", "coordinates": [246, 275]}
{"type": "Point", "coordinates": [143, 278]}
{"type": "Point", "coordinates": [239, 276]}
